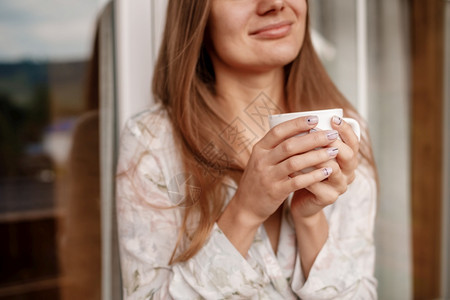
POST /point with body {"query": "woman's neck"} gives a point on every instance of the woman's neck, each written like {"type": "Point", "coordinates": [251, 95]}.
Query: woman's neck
{"type": "Point", "coordinates": [237, 92]}
{"type": "Point", "coordinates": [245, 102]}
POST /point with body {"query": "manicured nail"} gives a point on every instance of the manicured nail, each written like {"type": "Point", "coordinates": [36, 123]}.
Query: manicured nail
{"type": "Point", "coordinates": [337, 120]}
{"type": "Point", "coordinates": [312, 120]}
{"type": "Point", "coordinates": [327, 171]}
{"type": "Point", "coordinates": [332, 152]}
{"type": "Point", "coordinates": [332, 134]}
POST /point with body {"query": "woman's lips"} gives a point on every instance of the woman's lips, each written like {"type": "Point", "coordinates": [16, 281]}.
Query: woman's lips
{"type": "Point", "coordinates": [273, 31]}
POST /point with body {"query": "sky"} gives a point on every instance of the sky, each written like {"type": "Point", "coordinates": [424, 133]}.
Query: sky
{"type": "Point", "coordinates": [47, 29]}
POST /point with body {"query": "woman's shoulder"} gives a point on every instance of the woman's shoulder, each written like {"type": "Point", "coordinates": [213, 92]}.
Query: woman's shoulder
{"type": "Point", "coordinates": [151, 127]}
{"type": "Point", "coordinates": [147, 142]}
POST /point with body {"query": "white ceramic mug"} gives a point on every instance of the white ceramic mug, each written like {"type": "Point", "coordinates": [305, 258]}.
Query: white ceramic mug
{"type": "Point", "coordinates": [324, 116]}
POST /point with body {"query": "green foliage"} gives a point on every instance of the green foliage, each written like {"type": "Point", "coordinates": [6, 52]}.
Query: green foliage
{"type": "Point", "coordinates": [24, 111]}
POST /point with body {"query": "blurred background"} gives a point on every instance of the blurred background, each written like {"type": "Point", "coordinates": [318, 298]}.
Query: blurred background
{"type": "Point", "coordinates": [71, 73]}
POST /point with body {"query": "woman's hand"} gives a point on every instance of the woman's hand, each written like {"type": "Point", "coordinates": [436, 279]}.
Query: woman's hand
{"type": "Point", "coordinates": [266, 183]}
{"type": "Point", "coordinates": [311, 226]}
{"type": "Point", "coordinates": [308, 202]}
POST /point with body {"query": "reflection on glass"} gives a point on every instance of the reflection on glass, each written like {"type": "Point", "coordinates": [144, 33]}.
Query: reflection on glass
{"type": "Point", "coordinates": [44, 52]}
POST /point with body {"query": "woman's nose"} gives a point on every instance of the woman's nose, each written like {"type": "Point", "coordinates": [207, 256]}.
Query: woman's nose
{"type": "Point", "coordinates": [269, 6]}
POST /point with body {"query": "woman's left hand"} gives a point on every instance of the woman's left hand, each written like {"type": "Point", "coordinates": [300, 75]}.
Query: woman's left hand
{"type": "Point", "coordinates": [309, 201]}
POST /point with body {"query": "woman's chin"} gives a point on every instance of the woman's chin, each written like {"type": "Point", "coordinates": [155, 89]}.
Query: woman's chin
{"type": "Point", "coordinates": [271, 63]}
{"type": "Point", "coordinates": [278, 57]}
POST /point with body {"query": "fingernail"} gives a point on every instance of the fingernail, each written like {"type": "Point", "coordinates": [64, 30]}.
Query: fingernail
{"type": "Point", "coordinates": [332, 152]}
{"type": "Point", "coordinates": [327, 171]}
{"type": "Point", "coordinates": [312, 130]}
{"type": "Point", "coordinates": [332, 134]}
{"type": "Point", "coordinates": [337, 120]}
{"type": "Point", "coordinates": [312, 120]}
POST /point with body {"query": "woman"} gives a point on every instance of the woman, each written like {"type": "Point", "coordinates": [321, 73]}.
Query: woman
{"type": "Point", "coordinates": [209, 203]}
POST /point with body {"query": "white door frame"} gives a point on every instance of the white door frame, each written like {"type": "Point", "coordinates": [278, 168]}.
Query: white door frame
{"type": "Point", "coordinates": [139, 27]}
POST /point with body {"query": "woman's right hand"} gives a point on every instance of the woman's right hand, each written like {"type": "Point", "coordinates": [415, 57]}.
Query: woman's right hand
{"type": "Point", "coordinates": [266, 183]}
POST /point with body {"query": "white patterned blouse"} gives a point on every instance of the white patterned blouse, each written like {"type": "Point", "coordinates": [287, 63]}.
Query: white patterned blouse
{"type": "Point", "coordinates": [147, 235]}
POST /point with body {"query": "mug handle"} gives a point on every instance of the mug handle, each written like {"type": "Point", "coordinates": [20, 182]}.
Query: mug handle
{"type": "Point", "coordinates": [355, 126]}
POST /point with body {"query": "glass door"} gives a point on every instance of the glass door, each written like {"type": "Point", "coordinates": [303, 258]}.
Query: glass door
{"type": "Point", "coordinates": [49, 173]}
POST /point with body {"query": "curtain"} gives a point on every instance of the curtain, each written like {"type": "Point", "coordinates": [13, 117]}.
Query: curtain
{"type": "Point", "coordinates": [388, 118]}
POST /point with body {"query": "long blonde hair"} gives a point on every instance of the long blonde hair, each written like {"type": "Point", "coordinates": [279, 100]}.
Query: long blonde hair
{"type": "Point", "coordinates": [184, 83]}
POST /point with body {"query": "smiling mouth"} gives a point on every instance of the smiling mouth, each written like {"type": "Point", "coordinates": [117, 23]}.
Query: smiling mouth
{"type": "Point", "coordinates": [273, 31]}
